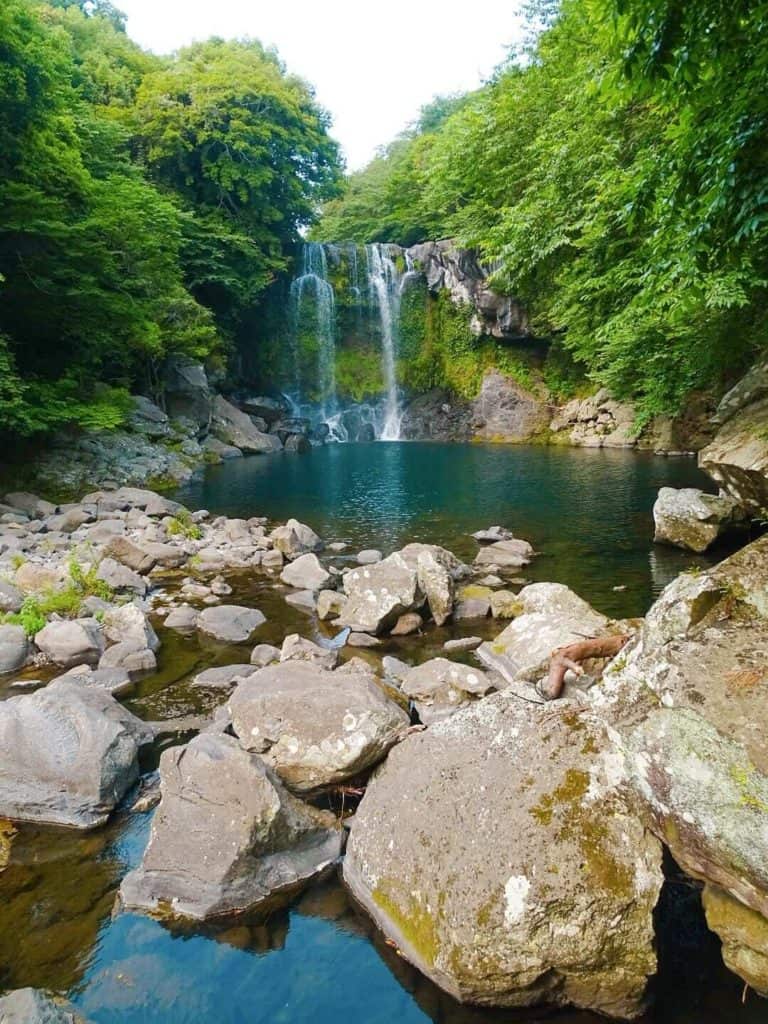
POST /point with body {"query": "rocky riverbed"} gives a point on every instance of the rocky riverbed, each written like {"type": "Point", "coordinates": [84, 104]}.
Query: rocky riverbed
{"type": "Point", "coordinates": [510, 847]}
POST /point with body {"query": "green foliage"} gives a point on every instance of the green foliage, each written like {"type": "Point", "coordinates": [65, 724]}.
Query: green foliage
{"type": "Point", "coordinates": [144, 204]}
{"type": "Point", "coordinates": [617, 180]}
{"type": "Point", "coordinates": [65, 602]}
{"type": "Point", "coordinates": [358, 373]}
{"type": "Point", "coordinates": [182, 525]}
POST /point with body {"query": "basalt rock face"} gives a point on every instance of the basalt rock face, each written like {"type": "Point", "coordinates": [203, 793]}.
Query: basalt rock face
{"type": "Point", "coordinates": [497, 851]}
{"type": "Point", "coordinates": [737, 457]}
{"type": "Point", "coordinates": [460, 272]}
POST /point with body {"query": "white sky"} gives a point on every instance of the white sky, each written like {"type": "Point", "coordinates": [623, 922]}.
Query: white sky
{"type": "Point", "coordinates": [373, 65]}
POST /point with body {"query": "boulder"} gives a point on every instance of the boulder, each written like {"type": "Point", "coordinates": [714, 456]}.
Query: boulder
{"type": "Point", "coordinates": [362, 639]}
{"type": "Point", "coordinates": [298, 443]}
{"type": "Point", "coordinates": [33, 578]}
{"type": "Point", "coordinates": [71, 642]}
{"type": "Point", "coordinates": [68, 754]}
{"type": "Point", "coordinates": [148, 419]}
{"type": "Point", "coordinates": [29, 1006]}
{"type": "Point", "coordinates": [30, 504]}
{"type": "Point", "coordinates": [231, 623]}
{"type": "Point", "coordinates": [295, 539]}
{"type": "Point", "coordinates": [506, 554]}
{"type": "Point", "coordinates": [306, 573]}
{"type": "Point", "coordinates": [297, 648]}
{"type": "Point", "coordinates": [125, 551]}
{"type": "Point", "coordinates": [493, 534]}
{"type": "Point", "coordinates": [378, 595]}
{"type": "Point", "coordinates": [216, 448]}
{"type": "Point", "coordinates": [127, 622]}
{"type": "Point", "coordinates": [187, 392]}
{"type": "Point", "coordinates": [690, 519]}
{"type": "Point", "coordinates": [504, 604]}
{"type": "Point", "coordinates": [543, 896]}
{"type": "Point", "coordinates": [313, 727]}
{"type": "Point", "coordinates": [269, 409]}
{"type": "Point", "coordinates": [329, 604]}
{"type": "Point", "coordinates": [440, 687]}
{"type": "Point", "coordinates": [368, 557]}
{"type": "Point", "coordinates": [14, 648]}
{"type": "Point", "coordinates": [132, 656]}
{"type": "Point", "coordinates": [744, 936]}
{"type": "Point", "coordinates": [409, 623]}
{"type": "Point", "coordinates": [226, 837]}
{"type": "Point", "coordinates": [115, 681]}
{"type": "Point", "coordinates": [264, 654]}
{"type": "Point", "coordinates": [551, 616]}
{"type": "Point", "coordinates": [464, 643]}
{"type": "Point", "coordinates": [436, 581]}
{"type": "Point", "coordinates": [223, 677]}
{"type": "Point", "coordinates": [120, 578]}
{"type": "Point", "coordinates": [304, 600]}
{"type": "Point", "coordinates": [234, 427]}
{"type": "Point", "coordinates": [183, 619]}
{"type": "Point", "coordinates": [11, 598]}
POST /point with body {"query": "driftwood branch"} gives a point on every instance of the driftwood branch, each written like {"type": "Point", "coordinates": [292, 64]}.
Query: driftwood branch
{"type": "Point", "coordinates": [571, 656]}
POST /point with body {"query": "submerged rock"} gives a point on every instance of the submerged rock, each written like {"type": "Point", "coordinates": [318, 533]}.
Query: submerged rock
{"type": "Point", "coordinates": [230, 623]}
{"type": "Point", "coordinates": [688, 518]}
{"type": "Point", "coordinates": [497, 851]}
{"type": "Point", "coordinates": [68, 754]}
{"type": "Point", "coordinates": [315, 728]}
{"type": "Point", "coordinates": [227, 837]}
{"type": "Point", "coordinates": [29, 1006]}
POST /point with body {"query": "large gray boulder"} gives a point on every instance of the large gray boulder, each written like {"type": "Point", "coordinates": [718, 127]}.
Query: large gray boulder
{"type": "Point", "coordinates": [496, 850]}
{"type": "Point", "coordinates": [227, 837]}
{"type": "Point", "coordinates": [506, 554]}
{"type": "Point", "coordinates": [737, 457]}
{"type": "Point", "coordinates": [30, 1006]}
{"type": "Point", "coordinates": [120, 578]}
{"type": "Point", "coordinates": [11, 598]}
{"type": "Point", "coordinates": [230, 622]}
{"type": "Point", "coordinates": [690, 519]}
{"type": "Point", "coordinates": [306, 573]}
{"type": "Point", "coordinates": [377, 595]}
{"type": "Point", "coordinates": [13, 648]}
{"type": "Point", "coordinates": [550, 616]}
{"type": "Point", "coordinates": [148, 419]}
{"type": "Point", "coordinates": [440, 687]}
{"type": "Point", "coordinates": [313, 727]}
{"type": "Point", "coordinates": [234, 427]}
{"type": "Point", "coordinates": [187, 392]}
{"type": "Point", "coordinates": [295, 539]}
{"type": "Point", "coordinates": [72, 641]}
{"type": "Point", "coordinates": [128, 623]}
{"type": "Point", "coordinates": [505, 411]}
{"type": "Point", "coordinates": [68, 754]}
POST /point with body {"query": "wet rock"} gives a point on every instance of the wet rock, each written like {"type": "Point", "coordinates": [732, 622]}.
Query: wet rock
{"type": "Point", "coordinates": [227, 837]}
{"type": "Point", "coordinates": [120, 578]}
{"type": "Point", "coordinates": [130, 655]}
{"type": "Point", "coordinates": [72, 642]}
{"type": "Point", "coordinates": [68, 753]}
{"type": "Point", "coordinates": [234, 427]}
{"type": "Point", "coordinates": [440, 687]}
{"type": "Point", "coordinates": [295, 539]}
{"type": "Point", "coordinates": [213, 446]}
{"type": "Point", "coordinates": [183, 619]}
{"type": "Point", "coordinates": [493, 534]}
{"type": "Point", "coordinates": [368, 557]}
{"type": "Point", "coordinates": [306, 573]}
{"type": "Point", "coordinates": [378, 595]}
{"type": "Point", "coordinates": [264, 654]}
{"type": "Point", "coordinates": [409, 623]}
{"type": "Point", "coordinates": [29, 1006]}
{"type": "Point", "coordinates": [550, 616]}
{"type": "Point", "coordinates": [329, 604]}
{"type": "Point", "coordinates": [116, 681]}
{"type": "Point", "coordinates": [506, 554]}
{"type": "Point", "coordinates": [362, 640]}
{"type": "Point", "coordinates": [465, 643]}
{"type": "Point", "coordinates": [297, 648]}
{"type": "Point", "coordinates": [690, 519]}
{"type": "Point", "coordinates": [338, 546]}
{"type": "Point", "coordinates": [128, 622]}
{"type": "Point", "coordinates": [222, 678]}
{"type": "Point", "coordinates": [231, 623]}
{"type": "Point", "coordinates": [14, 648]}
{"type": "Point", "coordinates": [504, 604]}
{"type": "Point", "coordinates": [566, 850]}
{"type": "Point", "coordinates": [298, 443]}
{"type": "Point", "coordinates": [314, 728]}
{"type": "Point", "coordinates": [435, 577]}
{"type": "Point", "coordinates": [303, 600]}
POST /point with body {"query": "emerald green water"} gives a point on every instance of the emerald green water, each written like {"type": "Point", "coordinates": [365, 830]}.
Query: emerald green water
{"type": "Point", "coordinates": [319, 960]}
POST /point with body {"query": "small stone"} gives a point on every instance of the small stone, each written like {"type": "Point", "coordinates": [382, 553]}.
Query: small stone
{"type": "Point", "coordinates": [298, 648]}
{"type": "Point", "coordinates": [362, 640]}
{"type": "Point", "coordinates": [465, 643]}
{"type": "Point", "coordinates": [183, 619]}
{"type": "Point", "coordinates": [264, 654]}
{"type": "Point", "coordinates": [369, 557]}
{"type": "Point", "coordinates": [409, 623]}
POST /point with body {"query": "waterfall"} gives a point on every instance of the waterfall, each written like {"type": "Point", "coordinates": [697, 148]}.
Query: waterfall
{"type": "Point", "coordinates": [384, 287]}
{"type": "Point", "coordinates": [313, 281]}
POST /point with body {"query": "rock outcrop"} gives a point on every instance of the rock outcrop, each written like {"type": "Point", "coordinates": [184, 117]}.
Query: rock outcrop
{"type": "Point", "coordinates": [737, 457]}
{"type": "Point", "coordinates": [504, 411]}
{"type": "Point", "coordinates": [315, 728]}
{"type": "Point", "coordinates": [690, 519]}
{"type": "Point", "coordinates": [68, 754]}
{"type": "Point", "coordinates": [234, 427]}
{"type": "Point", "coordinates": [227, 837]}
{"type": "Point", "coordinates": [497, 851]}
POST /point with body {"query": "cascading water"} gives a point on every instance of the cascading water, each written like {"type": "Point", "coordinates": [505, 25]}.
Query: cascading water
{"type": "Point", "coordinates": [314, 280]}
{"type": "Point", "coordinates": [384, 287]}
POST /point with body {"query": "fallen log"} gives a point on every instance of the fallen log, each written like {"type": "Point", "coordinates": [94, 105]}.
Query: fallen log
{"type": "Point", "coordinates": [571, 656]}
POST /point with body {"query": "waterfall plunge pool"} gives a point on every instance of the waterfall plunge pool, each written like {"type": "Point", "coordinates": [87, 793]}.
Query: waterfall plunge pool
{"type": "Point", "coordinates": [589, 514]}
